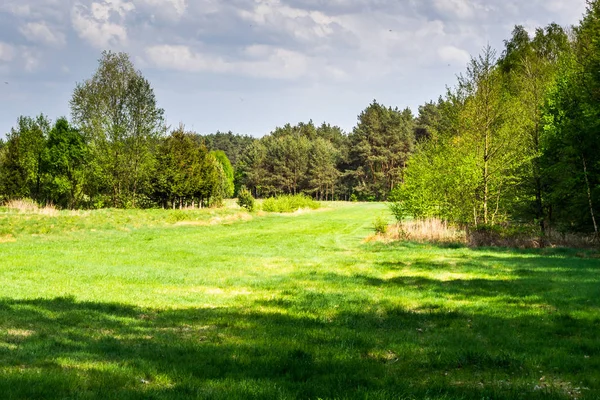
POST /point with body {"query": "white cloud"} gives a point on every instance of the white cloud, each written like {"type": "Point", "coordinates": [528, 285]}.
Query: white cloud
{"type": "Point", "coordinates": [95, 24]}
{"type": "Point", "coordinates": [454, 55]}
{"type": "Point", "coordinates": [301, 24]}
{"type": "Point", "coordinates": [170, 9]}
{"type": "Point", "coordinates": [20, 10]}
{"type": "Point", "coordinates": [31, 59]}
{"type": "Point", "coordinates": [39, 32]}
{"type": "Point", "coordinates": [259, 61]}
{"type": "Point", "coordinates": [7, 52]}
{"type": "Point", "coordinates": [463, 9]}
{"type": "Point", "coordinates": [182, 58]}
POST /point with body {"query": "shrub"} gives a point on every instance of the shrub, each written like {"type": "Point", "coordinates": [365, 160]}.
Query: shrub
{"type": "Point", "coordinates": [380, 225]}
{"type": "Point", "coordinates": [245, 199]}
{"type": "Point", "coordinates": [269, 205]}
{"type": "Point", "coordinates": [176, 216]}
{"type": "Point", "coordinates": [398, 210]}
{"type": "Point", "coordinates": [288, 203]}
{"type": "Point", "coordinates": [353, 198]}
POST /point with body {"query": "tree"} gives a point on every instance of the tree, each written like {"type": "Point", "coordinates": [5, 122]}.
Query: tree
{"type": "Point", "coordinates": [442, 177]}
{"type": "Point", "coordinates": [233, 145]}
{"type": "Point", "coordinates": [186, 173]}
{"type": "Point", "coordinates": [322, 171]}
{"type": "Point", "coordinates": [380, 146]}
{"type": "Point", "coordinates": [226, 178]}
{"type": "Point", "coordinates": [23, 154]}
{"type": "Point", "coordinates": [63, 165]}
{"type": "Point", "coordinates": [116, 110]}
{"type": "Point", "coordinates": [487, 127]}
{"type": "Point", "coordinates": [530, 66]}
{"type": "Point", "coordinates": [570, 155]}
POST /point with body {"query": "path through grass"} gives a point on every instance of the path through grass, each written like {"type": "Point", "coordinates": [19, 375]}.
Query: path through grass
{"type": "Point", "coordinates": [287, 307]}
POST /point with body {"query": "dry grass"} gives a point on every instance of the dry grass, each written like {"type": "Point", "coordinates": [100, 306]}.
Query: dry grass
{"type": "Point", "coordinates": [431, 230]}
{"type": "Point", "coordinates": [27, 206]}
{"type": "Point", "coordinates": [7, 239]}
{"type": "Point", "coordinates": [427, 230]}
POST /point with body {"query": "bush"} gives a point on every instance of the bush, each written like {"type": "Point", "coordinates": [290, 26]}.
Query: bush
{"type": "Point", "coordinates": [245, 199]}
{"type": "Point", "coordinates": [288, 204]}
{"type": "Point", "coordinates": [353, 198]}
{"type": "Point", "coordinates": [380, 225]}
{"type": "Point", "coordinates": [176, 216]}
{"type": "Point", "coordinates": [398, 210]}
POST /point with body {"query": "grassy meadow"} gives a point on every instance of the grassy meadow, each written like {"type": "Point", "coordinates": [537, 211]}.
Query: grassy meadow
{"type": "Point", "coordinates": [222, 304]}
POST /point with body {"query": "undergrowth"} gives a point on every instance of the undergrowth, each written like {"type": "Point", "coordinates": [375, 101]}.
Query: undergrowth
{"type": "Point", "coordinates": [289, 203]}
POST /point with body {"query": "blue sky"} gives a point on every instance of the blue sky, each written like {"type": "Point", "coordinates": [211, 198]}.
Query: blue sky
{"type": "Point", "coordinates": [251, 65]}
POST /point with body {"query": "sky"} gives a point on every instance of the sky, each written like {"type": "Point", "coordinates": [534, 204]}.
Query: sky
{"type": "Point", "coordinates": [251, 65]}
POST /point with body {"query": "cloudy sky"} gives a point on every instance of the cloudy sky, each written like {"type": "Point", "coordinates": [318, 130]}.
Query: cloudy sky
{"type": "Point", "coordinates": [251, 65]}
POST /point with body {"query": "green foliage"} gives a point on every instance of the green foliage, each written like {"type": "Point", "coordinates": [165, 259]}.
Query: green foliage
{"type": "Point", "coordinates": [226, 175]}
{"type": "Point", "coordinates": [295, 159]}
{"type": "Point", "coordinates": [64, 165]}
{"type": "Point", "coordinates": [21, 168]}
{"type": "Point", "coordinates": [289, 203]}
{"type": "Point", "coordinates": [380, 146]}
{"type": "Point", "coordinates": [397, 206]}
{"type": "Point", "coordinates": [186, 174]}
{"type": "Point", "coordinates": [246, 200]}
{"type": "Point", "coordinates": [117, 111]}
{"type": "Point", "coordinates": [380, 225]}
{"type": "Point", "coordinates": [234, 146]}
{"type": "Point", "coordinates": [570, 158]}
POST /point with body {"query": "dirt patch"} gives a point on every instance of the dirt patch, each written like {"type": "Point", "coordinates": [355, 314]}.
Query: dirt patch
{"type": "Point", "coordinates": [19, 333]}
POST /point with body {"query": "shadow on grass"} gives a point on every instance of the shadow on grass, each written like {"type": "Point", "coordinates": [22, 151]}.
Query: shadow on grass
{"type": "Point", "coordinates": [565, 279]}
{"type": "Point", "coordinates": [62, 348]}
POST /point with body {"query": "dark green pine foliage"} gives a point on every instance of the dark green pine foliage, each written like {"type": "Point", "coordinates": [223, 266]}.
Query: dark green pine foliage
{"type": "Point", "coordinates": [185, 173]}
{"type": "Point", "coordinates": [295, 159]}
{"type": "Point", "coordinates": [380, 144]}
{"type": "Point", "coordinates": [233, 145]}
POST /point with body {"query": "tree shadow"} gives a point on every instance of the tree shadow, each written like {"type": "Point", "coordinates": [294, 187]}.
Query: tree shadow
{"type": "Point", "coordinates": [566, 279]}
{"type": "Point", "coordinates": [303, 347]}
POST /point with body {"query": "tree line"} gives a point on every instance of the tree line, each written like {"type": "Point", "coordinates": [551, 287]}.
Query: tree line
{"type": "Point", "coordinates": [116, 151]}
{"type": "Point", "coordinates": [515, 139]}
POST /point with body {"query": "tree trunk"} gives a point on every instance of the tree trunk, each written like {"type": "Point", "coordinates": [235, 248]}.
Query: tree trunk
{"type": "Point", "coordinates": [589, 194]}
{"type": "Point", "coordinates": [485, 180]}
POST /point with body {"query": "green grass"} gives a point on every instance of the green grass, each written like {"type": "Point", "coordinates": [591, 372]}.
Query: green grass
{"type": "Point", "coordinates": [132, 304]}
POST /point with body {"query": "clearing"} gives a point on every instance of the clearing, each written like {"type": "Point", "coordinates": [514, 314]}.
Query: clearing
{"type": "Point", "coordinates": [219, 304]}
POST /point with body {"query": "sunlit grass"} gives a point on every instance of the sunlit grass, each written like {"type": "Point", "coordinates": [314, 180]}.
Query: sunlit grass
{"type": "Point", "coordinates": [131, 304]}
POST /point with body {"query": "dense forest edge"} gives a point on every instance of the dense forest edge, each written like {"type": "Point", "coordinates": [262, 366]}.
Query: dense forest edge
{"type": "Point", "coordinates": [514, 143]}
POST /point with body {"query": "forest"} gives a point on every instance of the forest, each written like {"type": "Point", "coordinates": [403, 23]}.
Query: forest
{"type": "Point", "coordinates": [513, 140]}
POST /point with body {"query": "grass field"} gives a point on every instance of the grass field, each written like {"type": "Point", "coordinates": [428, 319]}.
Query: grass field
{"type": "Point", "coordinates": [220, 304]}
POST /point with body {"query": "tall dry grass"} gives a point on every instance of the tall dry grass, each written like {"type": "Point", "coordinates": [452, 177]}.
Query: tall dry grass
{"type": "Point", "coordinates": [423, 230]}
{"type": "Point", "coordinates": [434, 230]}
{"type": "Point", "coordinates": [28, 206]}
{"type": "Point", "coordinates": [431, 230]}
